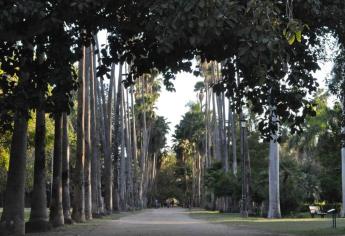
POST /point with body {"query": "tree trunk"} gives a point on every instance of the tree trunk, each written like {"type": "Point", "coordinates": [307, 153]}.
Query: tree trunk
{"type": "Point", "coordinates": [342, 212]}
{"type": "Point", "coordinates": [143, 150]}
{"type": "Point", "coordinates": [220, 129]}
{"type": "Point", "coordinates": [39, 221]}
{"type": "Point", "coordinates": [207, 149]}
{"type": "Point", "coordinates": [232, 120]}
{"type": "Point", "coordinates": [66, 199]}
{"type": "Point", "coordinates": [135, 151]}
{"type": "Point", "coordinates": [95, 143]}
{"type": "Point", "coordinates": [244, 210]}
{"type": "Point", "coordinates": [221, 124]}
{"type": "Point", "coordinates": [87, 140]}
{"type": "Point", "coordinates": [116, 142]}
{"type": "Point", "coordinates": [56, 213]}
{"type": "Point", "coordinates": [108, 187]}
{"type": "Point", "coordinates": [12, 219]}
{"type": "Point", "coordinates": [129, 150]}
{"type": "Point", "coordinates": [108, 132]}
{"type": "Point", "coordinates": [216, 141]}
{"type": "Point", "coordinates": [78, 213]}
{"type": "Point", "coordinates": [247, 173]}
{"type": "Point", "coordinates": [122, 158]}
{"type": "Point", "coordinates": [224, 136]}
{"type": "Point", "coordinates": [274, 198]}
{"type": "Point", "coordinates": [101, 136]}
{"type": "Point", "coordinates": [110, 99]}
{"type": "Point", "coordinates": [199, 178]}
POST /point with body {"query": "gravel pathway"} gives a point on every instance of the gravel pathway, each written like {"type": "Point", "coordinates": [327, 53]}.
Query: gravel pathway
{"type": "Point", "coordinates": [157, 222]}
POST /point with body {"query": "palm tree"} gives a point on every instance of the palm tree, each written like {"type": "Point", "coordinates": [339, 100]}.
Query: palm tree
{"type": "Point", "coordinates": [13, 212]}
{"type": "Point", "coordinates": [56, 213]}
{"type": "Point", "coordinates": [105, 136]}
{"type": "Point", "coordinates": [95, 175]}
{"type": "Point", "coordinates": [274, 196]}
{"type": "Point", "coordinates": [135, 150]}
{"type": "Point", "coordinates": [116, 142]}
{"type": "Point", "coordinates": [123, 152]}
{"type": "Point", "coordinates": [39, 213]}
{"type": "Point", "coordinates": [144, 145]}
{"type": "Point", "coordinates": [87, 139]}
{"type": "Point", "coordinates": [78, 213]}
{"type": "Point", "coordinates": [232, 131]}
{"type": "Point", "coordinates": [66, 200]}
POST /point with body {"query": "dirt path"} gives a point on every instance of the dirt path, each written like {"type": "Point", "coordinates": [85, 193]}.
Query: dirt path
{"type": "Point", "coordinates": [157, 222]}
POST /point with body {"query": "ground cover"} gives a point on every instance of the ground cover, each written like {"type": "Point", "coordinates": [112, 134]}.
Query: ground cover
{"type": "Point", "coordinates": [293, 226]}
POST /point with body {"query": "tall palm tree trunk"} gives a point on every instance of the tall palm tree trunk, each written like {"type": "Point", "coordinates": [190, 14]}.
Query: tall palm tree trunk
{"type": "Point", "coordinates": [105, 126]}
{"type": "Point", "coordinates": [66, 199]}
{"type": "Point", "coordinates": [129, 150]}
{"type": "Point", "coordinates": [247, 172]}
{"type": "Point", "coordinates": [216, 141]}
{"type": "Point", "coordinates": [123, 153]}
{"type": "Point", "coordinates": [342, 212]}
{"type": "Point", "coordinates": [87, 140]}
{"type": "Point", "coordinates": [116, 142]}
{"type": "Point", "coordinates": [12, 219]}
{"type": "Point", "coordinates": [56, 213]}
{"type": "Point", "coordinates": [207, 149]}
{"type": "Point", "coordinates": [232, 121]}
{"type": "Point", "coordinates": [78, 213]}
{"type": "Point", "coordinates": [108, 184]}
{"type": "Point", "coordinates": [108, 128]}
{"type": "Point", "coordinates": [274, 196]}
{"type": "Point", "coordinates": [39, 221]}
{"type": "Point", "coordinates": [135, 151]}
{"type": "Point", "coordinates": [224, 136]}
{"type": "Point", "coordinates": [143, 151]}
{"type": "Point", "coordinates": [100, 135]}
{"type": "Point", "coordinates": [96, 205]}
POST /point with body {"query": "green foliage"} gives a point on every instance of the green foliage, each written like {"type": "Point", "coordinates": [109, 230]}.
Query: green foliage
{"type": "Point", "coordinates": [4, 158]}
{"type": "Point", "coordinates": [160, 129]}
{"type": "Point", "coordinates": [221, 183]}
{"type": "Point", "coordinates": [167, 179]}
{"type": "Point", "coordinates": [5, 141]}
{"type": "Point", "coordinates": [199, 86]}
{"type": "Point", "coordinates": [191, 127]}
{"type": "Point", "coordinates": [30, 160]}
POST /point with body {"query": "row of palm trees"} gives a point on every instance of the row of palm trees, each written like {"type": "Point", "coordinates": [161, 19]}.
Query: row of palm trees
{"type": "Point", "coordinates": [217, 142]}
{"type": "Point", "coordinates": [114, 167]}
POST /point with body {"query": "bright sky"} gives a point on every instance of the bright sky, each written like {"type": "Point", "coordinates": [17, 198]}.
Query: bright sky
{"type": "Point", "coordinates": [172, 105]}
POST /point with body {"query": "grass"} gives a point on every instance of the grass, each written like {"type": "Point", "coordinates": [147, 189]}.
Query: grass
{"type": "Point", "coordinates": [294, 226]}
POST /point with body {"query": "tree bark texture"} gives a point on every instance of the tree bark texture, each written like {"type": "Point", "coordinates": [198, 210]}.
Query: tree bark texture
{"type": "Point", "coordinates": [56, 217]}
{"type": "Point", "coordinates": [12, 219]}
{"type": "Point", "coordinates": [66, 196]}
{"type": "Point", "coordinates": [274, 196]}
{"type": "Point", "coordinates": [87, 140]}
{"type": "Point", "coordinates": [39, 220]}
{"type": "Point", "coordinates": [78, 213]}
